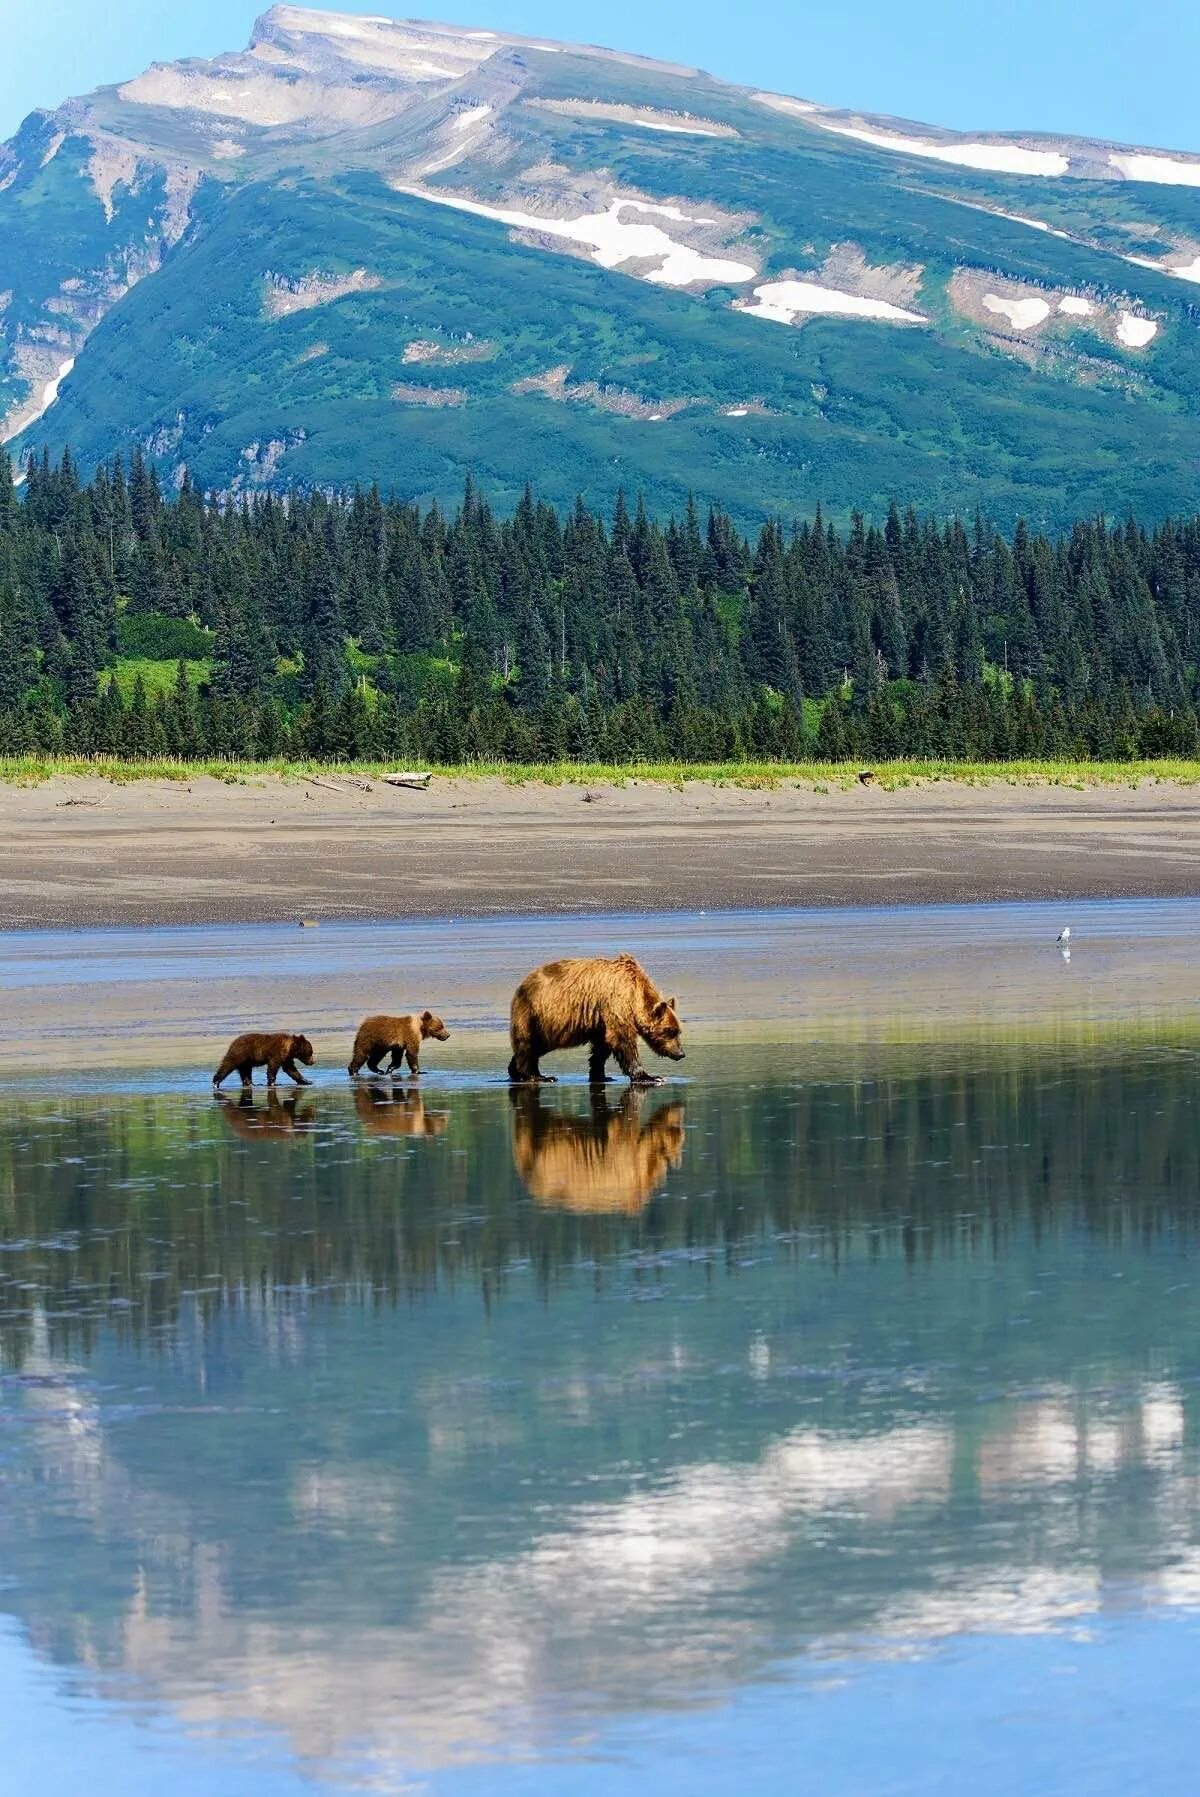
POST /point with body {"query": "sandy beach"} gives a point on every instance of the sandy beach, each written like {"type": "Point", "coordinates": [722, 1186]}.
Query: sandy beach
{"type": "Point", "coordinates": [88, 852]}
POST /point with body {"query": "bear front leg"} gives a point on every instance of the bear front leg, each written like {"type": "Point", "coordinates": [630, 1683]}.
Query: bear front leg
{"type": "Point", "coordinates": [626, 1051]}
{"type": "Point", "coordinates": [246, 1075]}
{"type": "Point", "coordinates": [272, 1073]}
{"type": "Point", "coordinates": [414, 1065]}
{"type": "Point", "coordinates": [294, 1074]}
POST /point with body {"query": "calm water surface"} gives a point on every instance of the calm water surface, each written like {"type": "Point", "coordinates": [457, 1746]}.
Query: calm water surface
{"type": "Point", "coordinates": [824, 1423]}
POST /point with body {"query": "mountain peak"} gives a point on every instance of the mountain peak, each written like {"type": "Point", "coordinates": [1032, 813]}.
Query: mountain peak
{"type": "Point", "coordinates": [369, 246]}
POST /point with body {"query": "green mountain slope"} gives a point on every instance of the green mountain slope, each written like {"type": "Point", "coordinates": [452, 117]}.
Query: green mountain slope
{"type": "Point", "coordinates": [366, 250]}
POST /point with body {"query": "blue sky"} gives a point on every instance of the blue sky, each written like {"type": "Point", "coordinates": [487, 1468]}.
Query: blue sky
{"type": "Point", "coordinates": [1107, 69]}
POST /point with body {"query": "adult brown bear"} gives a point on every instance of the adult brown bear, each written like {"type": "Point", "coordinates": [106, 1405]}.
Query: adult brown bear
{"type": "Point", "coordinates": [401, 1037]}
{"type": "Point", "coordinates": [607, 1003]}
{"type": "Point", "coordinates": [272, 1050]}
{"type": "Point", "coordinates": [609, 1161]}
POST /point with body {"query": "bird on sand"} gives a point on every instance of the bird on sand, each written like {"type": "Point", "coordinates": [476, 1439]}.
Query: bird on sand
{"type": "Point", "coordinates": [1064, 935]}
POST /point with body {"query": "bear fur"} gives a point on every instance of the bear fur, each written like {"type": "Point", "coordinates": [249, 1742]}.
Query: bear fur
{"type": "Point", "coordinates": [385, 1111]}
{"type": "Point", "coordinates": [272, 1050]}
{"type": "Point", "coordinates": [608, 1162]}
{"type": "Point", "coordinates": [609, 1004]}
{"type": "Point", "coordinates": [401, 1037]}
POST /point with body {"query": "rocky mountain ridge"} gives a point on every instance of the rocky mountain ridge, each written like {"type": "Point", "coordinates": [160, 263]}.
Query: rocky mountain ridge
{"type": "Point", "coordinates": [751, 294]}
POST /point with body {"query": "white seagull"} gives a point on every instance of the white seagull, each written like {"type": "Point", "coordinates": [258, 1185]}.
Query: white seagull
{"type": "Point", "coordinates": [1064, 935]}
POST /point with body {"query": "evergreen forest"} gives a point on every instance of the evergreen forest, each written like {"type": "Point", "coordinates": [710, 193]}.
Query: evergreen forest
{"type": "Point", "coordinates": [353, 626]}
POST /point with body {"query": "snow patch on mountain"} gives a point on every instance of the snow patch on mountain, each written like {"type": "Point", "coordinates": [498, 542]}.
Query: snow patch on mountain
{"type": "Point", "coordinates": [1170, 171]}
{"type": "Point", "coordinates": [1136, 332]}
{"type": "Point", "coordinates": [37, 405]}
{"type": "Point", "coordinates": [462, 134]}
{"type": "Point", "coordinates": [410, 50]}
{"type": "Point", "coordinates": [613, 239]}
{"type": "Point", "coordinates": [661, 207]}
{"type": "Point", "coordinates": [1182, 271]}
{"type": "Point", "coordinates": [789, 302]}
{"type": "Point", "coordinates": [1022, 314]}
{"type": "Point", "coordinates": [999, 158]}
{"type": "Point", "coordinates": [648, 118]}
{"type": "Point", "coordinates": [1025, 312]}
{"type": "Point", "coordinates": [473, 114]}
{"type": "Point", "coordinates": [785, 103]}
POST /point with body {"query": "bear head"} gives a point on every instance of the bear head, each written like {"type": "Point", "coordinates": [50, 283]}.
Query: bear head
{"type": "Point", "coordinates": [433, 1026]}
{"type": "Point", "coordinates": [663, 1030]}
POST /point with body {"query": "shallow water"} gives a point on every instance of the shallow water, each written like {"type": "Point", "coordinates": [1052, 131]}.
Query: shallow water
{"type": "Point", "coordinates": [75, 1000]}
{"type": "Point", "coordinates": [824, 1422]}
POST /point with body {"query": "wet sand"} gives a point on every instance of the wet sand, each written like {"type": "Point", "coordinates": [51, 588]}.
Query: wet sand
{"type": "Point", "coordinates": [167, 1001]}
{"type": "Point", "coordinates": [85, 852]}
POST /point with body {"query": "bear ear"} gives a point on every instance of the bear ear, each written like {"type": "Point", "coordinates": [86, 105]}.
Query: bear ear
{"type": "Point", "coordinates": [426, 1016]}
{"type": "Point", "coordinates": [671, 1002]}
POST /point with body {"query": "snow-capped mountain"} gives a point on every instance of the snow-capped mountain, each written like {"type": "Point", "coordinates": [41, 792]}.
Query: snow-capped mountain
{"type": "Point", "coordinates": [364, 248]}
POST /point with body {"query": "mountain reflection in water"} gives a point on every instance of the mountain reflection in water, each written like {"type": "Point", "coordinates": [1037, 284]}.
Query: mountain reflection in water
{"type": "Point", "coordinates": [430, 1427]}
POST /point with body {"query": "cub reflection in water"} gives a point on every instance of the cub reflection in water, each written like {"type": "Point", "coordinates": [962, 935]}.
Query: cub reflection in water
{"type": "Point", "coordinates": [397, 1111]}
{"type": "Point", "coordinates": [609, 1160]}
{"type": "Point", "coordinates": [277, 1117]}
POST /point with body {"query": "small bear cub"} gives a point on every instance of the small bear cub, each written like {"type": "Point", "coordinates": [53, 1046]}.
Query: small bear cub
{"type": "Point", "coordinates": [273, 1050]}
{"type": "Point", "coordinates": [401, 1037]}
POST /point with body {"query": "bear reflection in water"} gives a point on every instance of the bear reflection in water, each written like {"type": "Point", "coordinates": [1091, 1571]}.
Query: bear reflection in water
{"type": "Point", "coordinates": [609, 1160]}
{"type": "Point", "coordinates": [387, 1110]}
{"type": "Point", "coordinates": [277, 1117]}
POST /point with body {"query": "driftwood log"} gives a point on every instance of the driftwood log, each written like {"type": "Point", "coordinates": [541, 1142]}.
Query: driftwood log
{"type": "Point", "coordinates": [340, 783]}
{"type": "Point", "coordinates": [417, 781]}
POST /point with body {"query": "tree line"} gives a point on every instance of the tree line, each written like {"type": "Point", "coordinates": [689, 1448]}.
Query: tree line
{"type": "Point", "coordinates": [138, 623]}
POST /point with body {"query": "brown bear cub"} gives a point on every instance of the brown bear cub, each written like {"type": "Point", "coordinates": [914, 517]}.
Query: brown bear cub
{"type": "Point", "coordinates": [272, 1051]}
{"type": "Point", "coordinates": [607, 1003]}
{"type": "Point", "coordinates": [401, 1037]}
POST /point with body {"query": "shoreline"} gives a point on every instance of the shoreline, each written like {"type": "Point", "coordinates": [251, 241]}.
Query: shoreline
{"type": "Point", "coordinates": [83, 851]}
